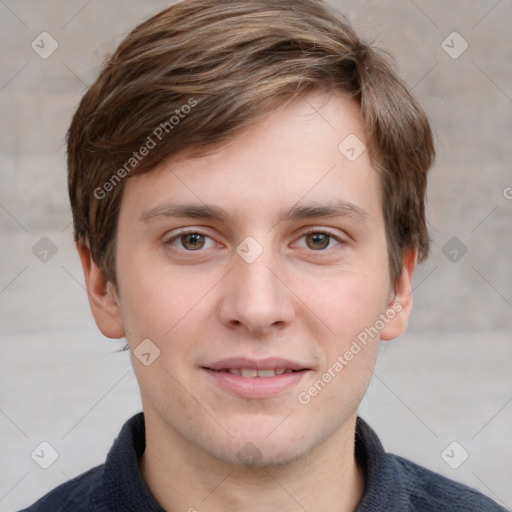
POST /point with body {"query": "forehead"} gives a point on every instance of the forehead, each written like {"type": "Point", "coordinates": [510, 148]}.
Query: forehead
{"type": "Point", "coordinates": [312, 151]}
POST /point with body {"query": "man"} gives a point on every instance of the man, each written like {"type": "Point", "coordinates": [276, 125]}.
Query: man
{"type": "Point", "coordinates": [247, 180]}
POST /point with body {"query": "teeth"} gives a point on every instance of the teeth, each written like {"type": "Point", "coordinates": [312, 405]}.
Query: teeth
{"type": "Point", "coordinates": [248, 372]}
{"type": "Point", "coordinates": [266, 373]}
{"type": "Point", "coordinates": [252, 372]}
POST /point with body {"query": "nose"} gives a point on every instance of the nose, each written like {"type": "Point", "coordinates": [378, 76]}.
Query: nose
{"type": "Point", "coordinates": [255, 297]}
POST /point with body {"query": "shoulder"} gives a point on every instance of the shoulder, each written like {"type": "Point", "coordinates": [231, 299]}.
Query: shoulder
{"type": "Point", "coordinates": [430, 491]}
{"type": "Point", "coordinates": [397, 484]}
{"type": "Point", "coordinates": [83, 493]}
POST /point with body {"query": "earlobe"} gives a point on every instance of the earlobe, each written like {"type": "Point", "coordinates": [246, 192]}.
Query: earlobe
{"type": "Point", "coordinates": [399, 308]}
{"type": "Point", "coordinates": [102, 296]}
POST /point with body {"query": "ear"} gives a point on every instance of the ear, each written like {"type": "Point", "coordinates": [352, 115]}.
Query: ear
{"type": "Point", "coordinates": [400, 305]}
{"type": "Point", "coordinates": [102, 296]}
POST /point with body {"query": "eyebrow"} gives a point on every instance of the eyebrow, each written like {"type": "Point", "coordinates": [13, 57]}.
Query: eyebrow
{"type": "Point", "coordinates": [210, 212]}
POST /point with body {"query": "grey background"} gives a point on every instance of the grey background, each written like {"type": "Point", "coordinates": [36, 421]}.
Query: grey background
{"type": "Point", "coordinates": [447, 379]}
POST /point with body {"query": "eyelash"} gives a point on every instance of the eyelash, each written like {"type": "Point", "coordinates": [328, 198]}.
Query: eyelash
{"type": "Point", "coordinates": [309, 232]}
{"type": "Point", "coordinates": [331, 235]}
{"type": "Point", "coordinates": [185, 233]}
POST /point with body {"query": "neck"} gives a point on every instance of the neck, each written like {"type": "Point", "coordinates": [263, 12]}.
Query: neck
{"type": "Point", "coordinates": [183, 477]}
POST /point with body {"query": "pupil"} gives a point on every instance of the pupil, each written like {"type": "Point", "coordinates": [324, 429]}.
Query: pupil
{"type": "Point", "coordinates": [193, 241]}
{"type": "Point", "coordinates": [319, 240]}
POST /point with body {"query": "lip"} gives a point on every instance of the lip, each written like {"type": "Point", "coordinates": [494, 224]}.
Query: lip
{"type": "Point", "coordinates": [268, 363]}
{"type": "Point", "coordinates": [256, 387]}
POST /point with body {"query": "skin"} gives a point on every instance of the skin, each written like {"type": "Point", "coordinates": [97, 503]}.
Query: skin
{"type": "Point", "coordinates": [297, 300]}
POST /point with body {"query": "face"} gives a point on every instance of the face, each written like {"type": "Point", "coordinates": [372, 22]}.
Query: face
{"type": "Point", "coordinates": [267, 256]}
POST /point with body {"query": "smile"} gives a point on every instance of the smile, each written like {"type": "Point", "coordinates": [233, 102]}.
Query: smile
{"type": "Point", "coordinates": [254, 384]}
{"type": "Point", "coordinates": [252, 372]}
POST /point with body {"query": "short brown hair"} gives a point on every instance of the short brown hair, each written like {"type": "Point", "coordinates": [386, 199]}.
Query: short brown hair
{"type": "Point", "coordinates": [203, 70]}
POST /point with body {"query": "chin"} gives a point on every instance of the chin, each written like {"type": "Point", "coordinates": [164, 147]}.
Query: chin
{"type": "Point", "coordinates": [254, 456]}
{"type": "Point", "coordinates": [256, 448]}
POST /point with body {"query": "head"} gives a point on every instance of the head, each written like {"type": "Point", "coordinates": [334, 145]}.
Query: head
{"type": "Point", "coordinates": [244, 106]}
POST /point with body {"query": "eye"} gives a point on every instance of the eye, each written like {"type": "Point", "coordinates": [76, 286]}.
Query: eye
{"type": "Point", "coordinates": [191, 241]}
{"type": "Point", "coordinates": [319, 240]}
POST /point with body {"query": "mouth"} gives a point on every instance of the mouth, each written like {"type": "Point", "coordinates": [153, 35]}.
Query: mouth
{"type": "Point", "coordinates": [256, 379]}
{"type": "Point", "coordinates": [251, 372]}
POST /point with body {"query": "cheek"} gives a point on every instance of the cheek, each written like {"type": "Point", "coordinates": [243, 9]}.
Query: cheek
{"type": "Point", "coordinates": [165, 304]}
{"type": "Point", "coordinates": [347, 312]}
{"type": "Point", "coordinates": [349, 302]}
